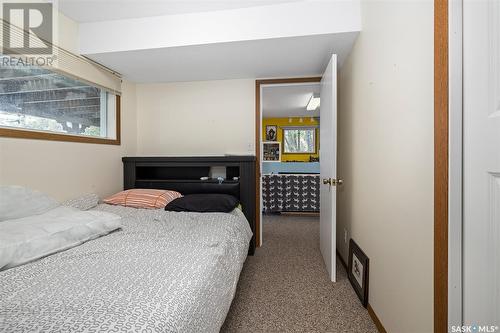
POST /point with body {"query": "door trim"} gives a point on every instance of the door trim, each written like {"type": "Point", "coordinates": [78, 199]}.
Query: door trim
{"type": "Point", "coordinates": [441, 150]}
{"type": "Point", "coordinates": [258, 131]}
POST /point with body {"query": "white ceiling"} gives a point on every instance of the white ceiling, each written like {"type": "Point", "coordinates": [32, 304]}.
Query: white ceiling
{"type": "Point", "coordinates": [279, 57]}
{"type": "Point", "coordinates": [98, 10]}
{"type": "Point", "coordinates": [288, 100]}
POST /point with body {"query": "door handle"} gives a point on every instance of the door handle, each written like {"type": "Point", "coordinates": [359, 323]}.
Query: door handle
{"type": "Point", "coordinates": [333, 181]}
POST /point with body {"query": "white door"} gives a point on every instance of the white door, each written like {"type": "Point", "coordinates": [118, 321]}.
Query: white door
{"type": "Point", "coordinates": [481, 178]}
{"type": "Point", "coordinates": [328, 166]}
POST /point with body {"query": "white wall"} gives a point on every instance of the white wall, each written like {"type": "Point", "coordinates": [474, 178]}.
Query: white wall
{"type": "Point", "coordinates": [66, 169]}
{"type": "Point", "coordinates": [67, 33]}
{"type": "Point", "coordinates": [196, 118]}
{"type": "Point", "coordinates": [386, 159]}
{"type": "Point", "coordinates": [292, 19]}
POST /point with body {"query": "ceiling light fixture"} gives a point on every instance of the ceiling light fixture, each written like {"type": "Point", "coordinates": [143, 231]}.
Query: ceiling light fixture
{"type": "Point", "coordinates": [314, 103]}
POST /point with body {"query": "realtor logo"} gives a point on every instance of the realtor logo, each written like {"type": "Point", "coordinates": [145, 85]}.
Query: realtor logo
{"type": "Point", "coordinates": [35, 20]}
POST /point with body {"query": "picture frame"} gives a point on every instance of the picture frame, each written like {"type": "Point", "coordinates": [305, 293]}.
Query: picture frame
{"type": "Point", "coordinates": [271, 151]}
{"type": "Point", "coordinates": [271, 133]}
{"type": "Point", "coordinates": [358, 271]}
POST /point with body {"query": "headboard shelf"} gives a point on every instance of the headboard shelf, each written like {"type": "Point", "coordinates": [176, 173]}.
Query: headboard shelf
{"type": "Point", "coordinates": [211, 181]}
{"type": "Point", "coordinates": [209, 160]}
{"type": "Point", "coordinates": [183, 174]}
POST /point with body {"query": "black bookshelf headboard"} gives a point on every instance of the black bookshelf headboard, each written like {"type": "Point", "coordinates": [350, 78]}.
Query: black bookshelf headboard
{"type": "Point", "coordinates": [183, 174]}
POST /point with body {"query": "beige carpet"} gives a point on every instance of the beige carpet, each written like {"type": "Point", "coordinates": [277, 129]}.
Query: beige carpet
{"type": "Point", "coordinates": [285, 287]}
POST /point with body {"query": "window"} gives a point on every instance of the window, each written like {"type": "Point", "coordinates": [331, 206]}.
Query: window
{"type": "Point", "coordinates": [299, 140]}
{"type": "Point", "coordinates": [39, 103]}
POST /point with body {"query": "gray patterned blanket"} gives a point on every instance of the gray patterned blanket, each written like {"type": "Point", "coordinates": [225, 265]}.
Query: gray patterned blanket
{"type": "Point", "coordinates": [163, 272]}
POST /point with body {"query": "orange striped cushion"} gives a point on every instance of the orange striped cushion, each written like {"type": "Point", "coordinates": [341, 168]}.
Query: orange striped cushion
{"type": "Point", "coordinates": [143, 198]}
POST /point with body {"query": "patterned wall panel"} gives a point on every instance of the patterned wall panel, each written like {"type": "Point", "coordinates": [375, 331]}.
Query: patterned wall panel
{"type": "Point", "coordinates": [290, 193]}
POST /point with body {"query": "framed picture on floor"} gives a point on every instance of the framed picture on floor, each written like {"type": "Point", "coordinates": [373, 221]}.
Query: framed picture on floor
{"type": "Point", "coordinates": [271, 151]}
{"type": "Point", "coordinates": [357, 271]}
{"type": "Point", "coordinates": [271, 133]}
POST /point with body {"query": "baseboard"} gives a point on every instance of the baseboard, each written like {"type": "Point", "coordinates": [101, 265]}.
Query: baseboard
{"type": "Point", "coordinates": [375, 319]}
{"type": "Point", "coordinates": [301, 214]}
{"type": "Point", "coordinates": [342, 260]}
{"type": "Point", "coordinates": [372, 314]}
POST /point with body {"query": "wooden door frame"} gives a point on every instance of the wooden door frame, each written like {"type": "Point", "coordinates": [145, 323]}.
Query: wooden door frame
{"type": "Point", "coordinates": [441, 160]}
{"type": "Point", "coordinates": [258, 133]}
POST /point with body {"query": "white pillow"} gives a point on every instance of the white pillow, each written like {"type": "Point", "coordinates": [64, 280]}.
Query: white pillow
{"type": "Point", "coordinates": [17, 202]}
{"type": "Point", "coordinates": [29, 238]}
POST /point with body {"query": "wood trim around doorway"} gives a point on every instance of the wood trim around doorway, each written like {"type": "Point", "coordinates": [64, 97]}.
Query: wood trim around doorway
{"type": "Point", "coordinates": [258, 84]}
{"type": "Point", "coordinates": [441, 151]}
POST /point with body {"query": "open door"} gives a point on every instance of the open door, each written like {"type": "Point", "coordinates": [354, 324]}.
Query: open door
{"type": "Point", "coordinates": [328, 166]}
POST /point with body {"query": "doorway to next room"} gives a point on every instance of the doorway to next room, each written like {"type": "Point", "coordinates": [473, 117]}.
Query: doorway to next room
{"type": "Point", "coordinates": [290, 165]}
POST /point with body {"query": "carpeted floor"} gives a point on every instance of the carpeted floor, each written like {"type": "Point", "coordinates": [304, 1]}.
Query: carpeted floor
{"type": "Point", "coordinates": [285, 286]}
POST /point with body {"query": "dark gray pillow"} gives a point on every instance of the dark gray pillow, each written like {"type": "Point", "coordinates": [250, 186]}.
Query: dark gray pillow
{"type": "Point", "coordinates": [203, 203]}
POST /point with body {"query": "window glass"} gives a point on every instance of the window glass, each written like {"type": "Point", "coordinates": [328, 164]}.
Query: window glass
{"type": "Point", "coordinates": [300, 140]}
{"type": "Point", "coordinates": [38, 99]}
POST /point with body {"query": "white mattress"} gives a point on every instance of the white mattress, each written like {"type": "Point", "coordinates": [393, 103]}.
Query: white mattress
{"type": "Point", "coordinates": [163, 272]}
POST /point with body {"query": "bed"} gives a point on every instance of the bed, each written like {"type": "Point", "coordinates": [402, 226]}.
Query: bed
{"type": "Point", "coordinates": [189, 175]}
{"type": "Point", "coordinates": [163, 272]}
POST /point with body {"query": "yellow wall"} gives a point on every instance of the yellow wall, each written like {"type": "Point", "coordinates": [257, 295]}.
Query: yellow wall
{"type": "Point", "coordinates": [283, 122]}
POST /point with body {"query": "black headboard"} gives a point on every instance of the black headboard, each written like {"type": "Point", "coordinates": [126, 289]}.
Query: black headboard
{"type": "Point", "coordinates": [183, 174]}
